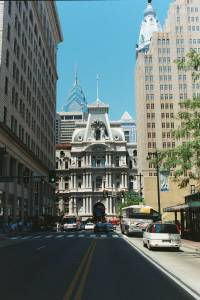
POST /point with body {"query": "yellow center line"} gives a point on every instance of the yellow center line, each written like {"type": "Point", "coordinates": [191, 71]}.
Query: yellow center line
{"type": "Point", "coordinates": [85, 274]}
{"type": "Point", "coordinates": [76, 277]}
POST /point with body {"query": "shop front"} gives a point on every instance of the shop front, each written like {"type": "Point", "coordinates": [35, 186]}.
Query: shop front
{"type": "Point", "coordinates": [189, 215]}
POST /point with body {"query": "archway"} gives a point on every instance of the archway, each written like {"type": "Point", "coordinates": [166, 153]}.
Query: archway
{"type": "Point", "coordinates": [99, 212]}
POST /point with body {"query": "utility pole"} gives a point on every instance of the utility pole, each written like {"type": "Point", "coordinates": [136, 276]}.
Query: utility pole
{"type": "Point", "coordinates": [157, 167]}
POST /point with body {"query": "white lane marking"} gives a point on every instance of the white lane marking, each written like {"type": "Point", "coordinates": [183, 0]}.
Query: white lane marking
{"type": "Point", "coordinates": [37, 237]}
{"type": "Point", "coordinates": [59, 236]}
{"type": "Point", "coordinates": [26, 237]}
{"type": "Point", "coordinates": [103, 235]}
{"type": "Point", "coordinates": [165, 271]}
{"type": "Point", "coordinates": [92, 235]}
{"type": "Point", "coordinates": [70, 235]}
{"type": "Point", "coordinates": [14, 238]}
{"type": "Point", "coordinates": [41, 247]}
{"type": "Point", "coordinates": [48, 236]}
{"type": "Point", "coordinates": [115, 235]}
{"type": "Point", "coordinates": [81, 235]}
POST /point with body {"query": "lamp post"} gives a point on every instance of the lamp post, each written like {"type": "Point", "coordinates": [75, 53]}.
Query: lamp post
{"type": "Point", "coordinates": [157, 167]}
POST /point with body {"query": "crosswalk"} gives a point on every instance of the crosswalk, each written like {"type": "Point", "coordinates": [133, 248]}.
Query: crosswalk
{"type": "Point", "coordinates": [65, 236]}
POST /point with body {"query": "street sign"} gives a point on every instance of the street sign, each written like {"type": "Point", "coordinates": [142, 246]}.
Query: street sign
{"type": "Point", "coordinates": [7, 179]}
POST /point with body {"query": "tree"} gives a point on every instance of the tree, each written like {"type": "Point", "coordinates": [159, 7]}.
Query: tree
{"type": "Point", "coordinates": [130, 198]}
{"type": "Point", "coordinates": [185, 158]}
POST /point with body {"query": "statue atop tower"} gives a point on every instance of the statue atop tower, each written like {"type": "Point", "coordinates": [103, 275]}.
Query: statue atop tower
{"type": "Point", "coordinates": [149, 25]}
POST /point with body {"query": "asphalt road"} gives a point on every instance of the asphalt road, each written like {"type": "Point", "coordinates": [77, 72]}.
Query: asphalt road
{"type": "Point", "coordinates": [80, 266]}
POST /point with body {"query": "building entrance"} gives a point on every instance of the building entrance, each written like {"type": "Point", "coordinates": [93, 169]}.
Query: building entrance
{"type": "Point", "coordinates": [99, 212]}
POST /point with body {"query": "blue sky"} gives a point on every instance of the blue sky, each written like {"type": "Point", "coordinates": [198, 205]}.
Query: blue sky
{"type": "Point", "coordinates": [100, 37]}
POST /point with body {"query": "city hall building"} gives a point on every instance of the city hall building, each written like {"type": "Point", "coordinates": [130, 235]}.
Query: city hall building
{"type": "Point", "coordinates": [95, 166]}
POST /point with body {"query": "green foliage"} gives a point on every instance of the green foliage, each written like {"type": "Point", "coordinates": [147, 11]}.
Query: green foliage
{"type": "Point", "coordinates": [130, 198]}
{"type": "Point", "coordinates": [185, 158]}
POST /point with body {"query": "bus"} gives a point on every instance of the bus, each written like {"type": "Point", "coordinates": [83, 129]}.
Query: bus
{"type": "Point", "coordinates": [135, 218]}
{"type": "Point", "coordinates": [70, 222]}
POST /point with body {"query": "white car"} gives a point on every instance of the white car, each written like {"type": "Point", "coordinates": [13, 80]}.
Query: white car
{"type": "Point", "coordinates": [89, 226]}
{"type": "Point", "coordinates": [162, 235]}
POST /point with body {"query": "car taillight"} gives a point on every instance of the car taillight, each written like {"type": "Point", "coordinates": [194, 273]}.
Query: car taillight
{"type": "Point", "coordinates": [153, 229]}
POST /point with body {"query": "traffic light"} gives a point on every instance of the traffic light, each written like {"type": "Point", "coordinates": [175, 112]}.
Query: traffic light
{"type": "Point", "coordinates": [122, 194]}
{"type": "Point", "coordinates": [52, 177]}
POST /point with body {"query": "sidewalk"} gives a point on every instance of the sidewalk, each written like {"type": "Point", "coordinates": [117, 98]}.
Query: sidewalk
{"type": "Point", "coordinates": [191, 244]}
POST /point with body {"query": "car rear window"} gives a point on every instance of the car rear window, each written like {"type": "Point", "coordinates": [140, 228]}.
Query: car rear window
{"type": "Point", "coordinates": [166, 228]}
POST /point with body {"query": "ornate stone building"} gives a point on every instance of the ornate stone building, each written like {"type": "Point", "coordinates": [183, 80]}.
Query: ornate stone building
{"type": "Point", "coordinates": [95, 167]}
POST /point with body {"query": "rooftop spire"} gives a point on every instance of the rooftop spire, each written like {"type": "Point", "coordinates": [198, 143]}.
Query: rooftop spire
{"type": "Point", "coordinates": [97, 87]}
{"type": "Point", "coordinates": [76, 76]}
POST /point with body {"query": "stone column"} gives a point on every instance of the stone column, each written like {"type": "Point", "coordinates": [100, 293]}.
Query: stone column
{"type": "Point", "coordinates": [125, 175]}
{"type": "Point", "coordinates": [90, 181]}
{"type": "Point", "coordinates": [83, 182]}
{"type": "Point", "coordinates": [122, 180]}
{"type": "Point", "coordinates": [71, 205]}
{"type": "Point", "coordinates": [108, 205]}
{"type": "Point", "coordinates": [75, 181]}
{"type": "Point", "coordinates": [86, 205]}
{"type": "Point", "coordinates": [111, 205]}
{"type": "Point", "coordinates": [90, 201]}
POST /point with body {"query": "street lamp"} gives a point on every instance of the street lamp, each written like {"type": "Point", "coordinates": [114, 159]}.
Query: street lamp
{"type": "Point", "coordinates": [157, 167]}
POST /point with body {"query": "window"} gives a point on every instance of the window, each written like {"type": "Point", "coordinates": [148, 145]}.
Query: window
{"type": "Point", "coordinates": [5, 114]}
{"type": "Point", "coordinates": [9, 7]}
{"type": "Point", "coordinates": [8, 32]}
{"type": "Point", "coordinates": [6, 86]}
{"type": "Point", "coordinates": [7, 58]}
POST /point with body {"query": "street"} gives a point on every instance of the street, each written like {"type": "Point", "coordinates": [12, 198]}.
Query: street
{"type": "Point", "coordinates": [80, 265]}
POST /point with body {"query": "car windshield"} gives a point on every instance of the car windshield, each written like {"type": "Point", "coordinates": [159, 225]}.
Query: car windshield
{"type": "Point", "coordinates": [69, 220]}
{"type": "Point", "coordinates": [166, 228]}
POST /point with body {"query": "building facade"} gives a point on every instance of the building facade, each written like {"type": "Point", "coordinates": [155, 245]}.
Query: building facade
{"type": "Point", "coordinates": [160, 86]}
{"type": "Point", "coordinates": [30, 33]}
{"type": "Point", "coordinates": [74, 110]}
{"type": "Point", "coordinates": [95, 167]}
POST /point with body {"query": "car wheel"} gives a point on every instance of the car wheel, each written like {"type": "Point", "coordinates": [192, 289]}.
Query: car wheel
{"type": "Point", "coordinates": [149, 246]}
{"type": "Point", "coordinates": [144, 245]}
{"type": "Point", "coordinates": [177, 249]}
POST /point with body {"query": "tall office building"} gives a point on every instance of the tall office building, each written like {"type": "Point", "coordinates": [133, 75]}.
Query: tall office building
{"type": "Point", "coordinates": [30, 32]}
{"type": "Point", "coordinates": [161, 85]}
{"type": "Point", "coordinates": [74, 110]}
{"type": "Point", "coordinates": [129, 127]}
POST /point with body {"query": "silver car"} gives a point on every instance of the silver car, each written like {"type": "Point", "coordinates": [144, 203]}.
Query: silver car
{"type": "Point", "coordinates": [162, 235]}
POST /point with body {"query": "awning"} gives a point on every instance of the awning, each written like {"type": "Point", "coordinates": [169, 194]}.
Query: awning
{"type": "Point", "coordinates": [175, 208]}
{"type": "Point", "coordinates": [179, 207]}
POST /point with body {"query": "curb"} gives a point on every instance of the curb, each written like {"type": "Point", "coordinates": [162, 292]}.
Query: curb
{"type": "Point", "coordinates": [197, 249]}
{"type": "Point", "coordinates": [168, 273]}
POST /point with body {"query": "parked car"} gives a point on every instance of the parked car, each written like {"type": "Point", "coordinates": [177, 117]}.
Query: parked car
{"type": "Point", "coordinates": [89, 226]}
{"type": "Point", "coordinates": [103, 227]}
{"type": "Point", "coordinates": [162, 235]}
